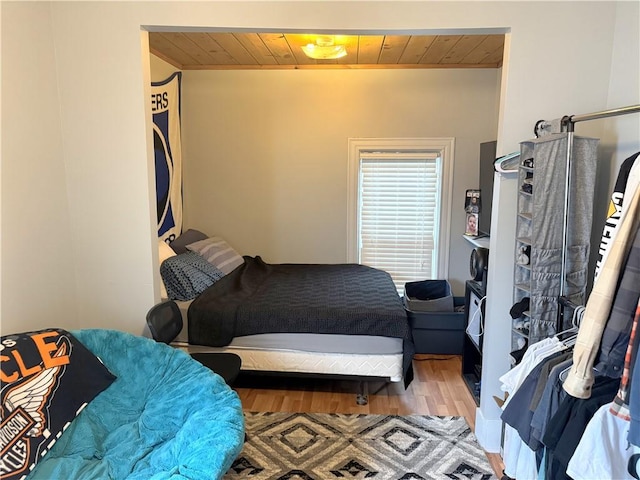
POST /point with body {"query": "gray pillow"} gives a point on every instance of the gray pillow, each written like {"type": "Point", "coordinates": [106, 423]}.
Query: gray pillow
{"type": "Point", "coordinates": [219, 253]}
{"type": "Point", "coordinates": [179, 245]}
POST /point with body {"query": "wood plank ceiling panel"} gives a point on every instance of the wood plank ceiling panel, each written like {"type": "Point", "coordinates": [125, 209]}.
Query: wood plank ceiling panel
{"type": "Point", "coordinates": [488, 47]}
{"type": "Point", "coordinates": [256, 47]}
{"type": "Point", "coordinates": [189, 45]}
{"type": "Point", "coordinates": [439, 49]}
{"type": "Point", "coordinates": [278, 46]}
{"type": "Point", "coordinates": [216, 52]}
{"type": "Point", "coordinates": [369, 48]}
{"type": "Point", "coordinates": [416, 48]}
{"type": "Point", "coordinates": [496, 58]}
{"type": "Point", "coordinates": [160, 45]}
{"type": "Point", "coordinates": [350, 42]}
{"type": "Point", "coordinates": [461, 49]}
{"type": "Point", "coordinates": [393, 48]}
{"type": "Point", "coordinates": [235, 50]}
{"type": "Point", "coordinates": [239, 54]}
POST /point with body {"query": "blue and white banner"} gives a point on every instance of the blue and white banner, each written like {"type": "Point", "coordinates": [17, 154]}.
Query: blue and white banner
{"type": "Point", "coordinates": [165, 105]}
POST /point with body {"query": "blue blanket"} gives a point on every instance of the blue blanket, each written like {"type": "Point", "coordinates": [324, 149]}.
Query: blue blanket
{"type": "Point", "coordinates": [165, 417]}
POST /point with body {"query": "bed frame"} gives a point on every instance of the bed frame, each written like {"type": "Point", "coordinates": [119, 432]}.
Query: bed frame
{"type": "Point", "coordinates": [347, 357]}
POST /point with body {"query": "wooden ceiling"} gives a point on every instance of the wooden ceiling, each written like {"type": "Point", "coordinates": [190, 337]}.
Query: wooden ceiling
{"type": "Point", "coordinates": [218, 51]}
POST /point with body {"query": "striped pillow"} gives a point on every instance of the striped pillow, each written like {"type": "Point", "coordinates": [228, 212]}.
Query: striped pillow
{"type": "Point", "coordinates": [219, 253]}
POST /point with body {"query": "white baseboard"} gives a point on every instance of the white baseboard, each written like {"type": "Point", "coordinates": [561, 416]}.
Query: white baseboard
{"type": "Point", "coordinates": [489, 433]}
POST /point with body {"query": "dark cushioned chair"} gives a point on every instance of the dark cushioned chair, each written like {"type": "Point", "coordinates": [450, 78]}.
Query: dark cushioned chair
{"type": "Point", "coordinates": [165, 323]}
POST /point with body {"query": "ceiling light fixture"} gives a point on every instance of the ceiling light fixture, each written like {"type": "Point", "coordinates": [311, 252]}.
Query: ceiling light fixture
{"type": "Point", "coordinates": [324, 49]}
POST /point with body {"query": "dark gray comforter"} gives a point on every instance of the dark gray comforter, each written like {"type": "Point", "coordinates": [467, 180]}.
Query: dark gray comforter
{"type": "Point", "coordinates": [258, 297]}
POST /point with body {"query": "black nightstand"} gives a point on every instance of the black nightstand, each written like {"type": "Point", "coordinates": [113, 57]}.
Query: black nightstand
{"type": "Point", "coordinates": [472, 343]}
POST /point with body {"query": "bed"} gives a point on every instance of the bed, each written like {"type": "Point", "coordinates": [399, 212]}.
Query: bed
{"type": "Point", "coordinates": [338, 320]}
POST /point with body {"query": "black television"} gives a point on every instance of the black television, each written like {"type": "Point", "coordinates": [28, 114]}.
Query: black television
{"type": "Point", "coordinates": [487, 169]}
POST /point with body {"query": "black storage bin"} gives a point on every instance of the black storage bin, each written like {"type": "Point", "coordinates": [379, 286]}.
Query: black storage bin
{"type": "Point", "coordinates": [428, 296]}
{"type": "Point", "coordinates": [438, 332]}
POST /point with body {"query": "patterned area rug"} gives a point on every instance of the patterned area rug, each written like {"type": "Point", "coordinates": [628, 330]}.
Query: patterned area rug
{"type": "Point", "coordinates": [322, 446]}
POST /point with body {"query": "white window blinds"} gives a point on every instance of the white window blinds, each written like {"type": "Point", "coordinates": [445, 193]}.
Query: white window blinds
{"type": "Point", "coordinates": [398, 218]}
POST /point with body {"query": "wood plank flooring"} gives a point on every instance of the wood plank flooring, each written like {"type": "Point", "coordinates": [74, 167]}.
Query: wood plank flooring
{"type": "Point", "coordinates": [438, 389]}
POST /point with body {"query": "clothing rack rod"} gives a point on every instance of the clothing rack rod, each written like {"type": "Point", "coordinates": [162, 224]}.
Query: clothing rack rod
{"type": "Point", "coordinates": [568, 123]}
{"type": "Point", "coordinates": [569, 120]}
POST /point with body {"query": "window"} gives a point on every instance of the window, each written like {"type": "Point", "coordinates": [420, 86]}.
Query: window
{"type": "Point", "coordinates": [399, 192]}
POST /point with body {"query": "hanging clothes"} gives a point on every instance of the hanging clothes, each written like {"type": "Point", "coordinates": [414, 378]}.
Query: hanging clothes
{"type": "Point", "coordinates": [519, 460]}
{"type": "Point", "coordinates": [634, 390]}
{"type": "Point", "coordinates": [519, 411]}
{"type": "Point", "coordinates": [581, 377]}
{"type": "Point", "coordinates": [552, 397]}
{"type": "Point", "coordinates": [620, 405]}
{"type": "Point", "coordinates": [536, 352]}
{"type": "Point", "coordinates": [617, 332]}
{"type": "Point", "coordinates": [569, 423]}
{"type": "Point", "coordinates": [603, 450]}
{"type": "Point", "coordinates": [628, 180]}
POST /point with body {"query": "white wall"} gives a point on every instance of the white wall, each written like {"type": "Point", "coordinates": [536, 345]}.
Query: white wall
{"type": "Point", "coordinates": [38, 268]}
{"type": "Point", "coordinates": [105, 118]}
{"type": "Point", "coordinates": [621, 135]}
{"type": "Point", "coordinates": [265, 152]}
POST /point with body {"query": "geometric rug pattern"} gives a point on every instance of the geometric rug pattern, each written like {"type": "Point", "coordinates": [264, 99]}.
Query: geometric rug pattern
{"type": "Point", "coordinates": [324, 446]}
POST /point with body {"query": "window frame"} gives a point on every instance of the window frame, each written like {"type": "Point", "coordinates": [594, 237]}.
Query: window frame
{"type": "Point", "coordinates": [443, 147]}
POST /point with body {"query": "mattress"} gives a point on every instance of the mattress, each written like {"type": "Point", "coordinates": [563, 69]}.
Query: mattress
{"type": "Point", "coordinates": [305, 353]}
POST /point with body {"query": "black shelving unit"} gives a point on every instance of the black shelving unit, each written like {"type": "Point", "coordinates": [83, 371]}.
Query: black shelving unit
{"type": "Point", "coordinates": [472, 346]}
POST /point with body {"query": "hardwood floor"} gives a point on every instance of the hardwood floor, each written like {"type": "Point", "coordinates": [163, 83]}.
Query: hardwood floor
{"type": "Point", "coordinates": [437, 389]}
